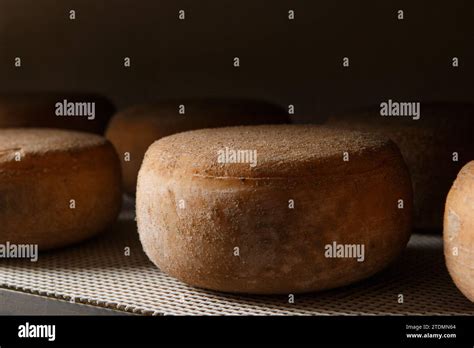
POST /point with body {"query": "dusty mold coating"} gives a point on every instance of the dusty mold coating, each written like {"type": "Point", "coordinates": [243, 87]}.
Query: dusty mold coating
{"type": "Point", "coordinates": [281, 250]}
{"type": "Point", "coordinates": [57, 187]}
{"type": "Point", "coordinates": [155, 121]}
{"type": "Point", "coordinates": [459, 231]}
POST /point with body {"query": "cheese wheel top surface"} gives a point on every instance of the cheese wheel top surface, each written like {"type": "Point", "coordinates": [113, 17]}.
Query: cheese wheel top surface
{"type": "Point", "coordinates": [279, 150]}
{"type": "Point", "coordinates": [46, 140]}
{"type": "Point", "coordinates": [43, 148]}
{"type": "Point", "coordinates": [134, 129]}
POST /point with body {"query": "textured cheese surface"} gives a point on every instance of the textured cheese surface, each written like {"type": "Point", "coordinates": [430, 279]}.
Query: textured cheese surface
{"type": "Point", "coordinates": [37, 141]}
{"type": "Point", "coordinates": [459, 231]}
{"type": "Point", "coordinates": [428, 146]}
{"type": "Point", "coordinates": [296, 150]}
{"type": "Point", "coordinates": [41, 172]}
{"type": "Point", "coordinates": [134, 129]}
{"type": "Point", "coordinates": [193, 212]}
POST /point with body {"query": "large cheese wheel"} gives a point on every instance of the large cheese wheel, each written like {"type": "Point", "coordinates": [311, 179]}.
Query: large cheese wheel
{"type": "Point", "coordinates": [428, 146]}
{"type": "Point", "coordinates": [56, 187]}
{"type": "Point", "coordinates": [39, 110]}
{"type": "Point", "coordinates": [270, 226]}
{"type": "Point", "coordinates": [133, 130]}
{"type": "Point", "coordinates": [459, 231]}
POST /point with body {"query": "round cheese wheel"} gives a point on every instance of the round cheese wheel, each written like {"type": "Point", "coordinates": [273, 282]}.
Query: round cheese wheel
{"type": "Point", "coordinates": [435, 147]}
{"type": "Point", "coordinates": [56, 187]}
{"type": "Point", "coordinates": [273, 209]}
{"type": "Point", "coordinates": [44, 110]}
{"type": "Point", "coordinates": [459, 231]}
{"type": "Point", "coordinates": [133, 130]}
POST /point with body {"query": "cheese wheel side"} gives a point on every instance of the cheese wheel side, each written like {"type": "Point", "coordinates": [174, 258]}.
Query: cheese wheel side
{"type": "Point", "coordinates": [435, 147]}
{"type": "Point", "coordinates": [459, 231]}
{"type": "Point", "coordinates": [279, 232]}
{"type": "Point", "coordinates": [56, 187]}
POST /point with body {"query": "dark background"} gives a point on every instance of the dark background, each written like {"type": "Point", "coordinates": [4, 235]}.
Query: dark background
{"type": "Point", "coordinates": [288, 62]}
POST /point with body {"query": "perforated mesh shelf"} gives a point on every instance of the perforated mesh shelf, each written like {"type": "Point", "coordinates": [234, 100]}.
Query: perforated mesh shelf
{"type": "Point", "coordinates": [98, 273]}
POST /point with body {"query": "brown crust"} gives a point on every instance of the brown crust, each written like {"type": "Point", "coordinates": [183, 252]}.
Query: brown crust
{"type": "Point", "coordinates": [294, 154]}
{"type": "Point", "coordinates": [281, 249]}
{"type": "Point", "coordinates": [427, 145]}
{"type": "Point", "coordinates": [459, 231]}
{"type": "Point", "coordinates": [135, 129]}
{"type": "Point", "coordinates": [55, 167]}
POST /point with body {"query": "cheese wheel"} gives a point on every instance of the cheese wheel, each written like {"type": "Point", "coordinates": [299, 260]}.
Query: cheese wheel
{"type": "Point", "coordinates": [133, 130]}
{"type": "Point", "coordinates": [57, 187]}
{"type": "Point", "coordinates": [435, 148]}
{"type": "Point", "coordinates": [267, 209]}
{"type": "Point", "coordinates": [39, 110]}
{"type": "Point", "coordinates": [459, 231]}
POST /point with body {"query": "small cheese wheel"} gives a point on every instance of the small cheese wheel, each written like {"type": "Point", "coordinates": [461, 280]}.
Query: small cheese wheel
{"type": "Point", "coordinates": [459, 231]}
{"type": "Point", "coordinates": [217, 215]}
{"type": "Point", "coordinates": [57, 187]}
{"type": "Point", "coordinates": [39, 110]}
{"type": "Point", "coordinates": [435, 148]}
{"type": "Point", "coordinates": [133, 130]}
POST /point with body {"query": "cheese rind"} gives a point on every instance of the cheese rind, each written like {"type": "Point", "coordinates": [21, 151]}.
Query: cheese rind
{"type": "Point", "coordinates": [435, 148]}
{"type": "Point", "coordinates": [459, 231]}
{"type": "Point", "coordinates": [56, 187]}
{"type": "Point", "coordinates": [264, 229]}
{"type": "Point", "coordinates": [133, 130]}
